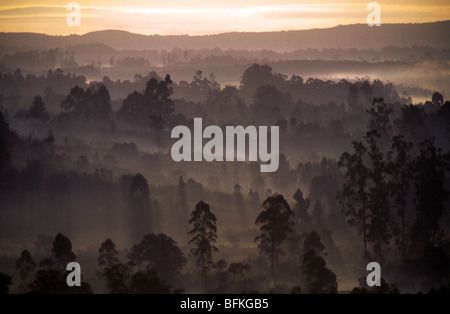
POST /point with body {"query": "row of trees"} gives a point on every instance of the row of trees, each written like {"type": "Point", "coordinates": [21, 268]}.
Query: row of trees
{"type": "Point", "coordinates": [383, 180]}
{"type": "Point", "coordinates": [157, 260]}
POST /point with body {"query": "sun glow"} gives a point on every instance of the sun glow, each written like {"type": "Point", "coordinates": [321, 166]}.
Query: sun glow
{"type": "Point", "coordinates": [206, 17]}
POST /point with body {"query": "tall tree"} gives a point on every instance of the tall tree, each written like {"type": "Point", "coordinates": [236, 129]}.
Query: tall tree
{"type": "Point", "coordinates": [276, 224]}
{"type": "Point", "coordinates": [354, 193]}
{"type": "Point", "coordinates": [301, 213]}
{"type": "Point", "coordinates": [431, 196]}
{"type": "Point", "coordinates": [400, 176]}
{"type": "Point", "coordinates": [7, 138]}
{"type": "Point", "coordinates": [204, 232]}
{"type": "Point", "coordinates": [62, 251]}
{"type": "Point", "coordinates": [367, 89]}
{"type": "Point", "coordinates": [158, 98]}
{"type": "Point", "coordinates": [108, 254]}
{"type": "Point", "coordinates": [140, 209]}
{"type": "Point", "coordinates": [381, 223]}
{"type": "Point", "coordinates": [379, 121]}
{"type": "Point", "coordinates": [25, 265]}
{"type": "Point", "coordinates": [183, 202]}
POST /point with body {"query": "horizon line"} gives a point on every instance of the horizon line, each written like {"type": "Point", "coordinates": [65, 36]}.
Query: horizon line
{"type": "Point", "coordinates": [222, 33]}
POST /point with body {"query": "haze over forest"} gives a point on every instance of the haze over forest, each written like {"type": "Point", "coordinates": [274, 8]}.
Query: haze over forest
{"type": "Point", "coordinates": [86, 172]}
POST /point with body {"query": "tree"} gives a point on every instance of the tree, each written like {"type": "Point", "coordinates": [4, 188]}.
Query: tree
{"type": "Point", "coordinates": [267, 102]}
{"type": "Point", "coordinates": [256, 76]}
{"type": "Point", "coordinates": [108, 255]}
{"type": "Point", "coordinates": [381, 222]}
{"type": "Point", "coordinates": [412, 122]}
{"type": "Point", "coordinates": [204, 232]}
{"type": "Point", "coordinates": [301, 213]}
{"type": "Point", "coordinates": [379, 120]}
{"type": "Point", "coordinates": [157, 97]}
{"type": "Point", "coordinates": [94, 103]}
{"type": "Point", "coordinates": [367, 89]}
{"type": "Point", "coordinates": [239, 202]}
{"type": "Point", "coordinates": [62, 251]}
{"type": "Point", "coordinates": [353, 98]}
{"type": "Point", "coordinates": [317, 215]}
{"type": "Point", "coordinates": [52, 281]}
{"type": "Point", "coordinates": [37, 109]}
{"type": "Point", "coordinates": [5, 282]}
{"type": "Point", "coordinates": [182, 194]}
{"type": "Point", "coordinates": [319, 278]}
{"type": "Point", "coordinates": [354, 193]}
{"type": "Point", "coordinates": [159, 253]}
{"type": "Point", "coordinates": [25, 265]}
{"type": "Point", "coordinates": [139, 201]}
{"type": "Point", "coordinates": [276, 224]}
{"type": "Point", "coordinates": [117, 278]}
{"type": "Point", "coordinates": [437, 99]}
{"type": "Point", "coordinates": [147, 282]}
{"type": "Point", "coordinates": [238, 269]}
{"type": "Point", "coordinates": [313, 242]}
{"type": "Point", "coordinates": [7, 139]}
{"type": "Point", "coordinates": [431, 196]}
{"type": "Point", "coordinates": [400, 174]}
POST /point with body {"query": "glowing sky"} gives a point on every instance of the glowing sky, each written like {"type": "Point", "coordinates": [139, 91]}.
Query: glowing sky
{"type": "Point", "coordinates": [197, 17]}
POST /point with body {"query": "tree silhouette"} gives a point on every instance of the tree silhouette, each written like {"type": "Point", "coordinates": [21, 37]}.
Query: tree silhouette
{"type": "Point", "coordinates": [238, 269]}
{"type": "Point", "coordinates": [384, 288]}
{"type": "Point", "coordinates": [117, 278]}
{"type": "Point", "coordinates": [353, 98]}
{"type": "Point", "coordinates": [204, 232]}
{"type": "Point", "coordinates": [239, 202]}
{"type": "Point", "coordinates": [52, 281]}
{"type": "Point", "coordinates": [37, 109]}
{"type": "Point", "coordinates": [94, 103]}
{"type": "Point", "coordinates": [319, 278]}
{"type": "Point", "coordinates": [62, 251]}
{"type": "Point", "coordinates": [431, 196]}
{"type": "Point", "coordinates": [157, 97]}
{"type": "Point", "coordinates": [400, 174]}
{"type": "Point", "coordinates": [381, 222]}
{"type": "Point", "coordinates": [367, 89]}
{"type": "Point", "coordinates": [140, 211]}
{"type": "Point", "coordinates": [301, 213]}
{"type": "Point", "coordinates": [147, 282]}
{"type": "Point", "coordinates": [267, 102]}
{"type": "Point", "coordinates": [159, 253]}
{"type": "Point", "coordinates": [276, 224]}
{"type": "Point", "coordinates": [437, 99]}
{"type": "Point", "coordinates": [317, 215]}
{"type": "Point", "coordinates": [412, 122]}
{"type": "Point", "coordinates": [354, 193]}
{"type": "Point", "coordinates": [182, 194]}
{"type": "Point", "coordinates": [25, 265]}
{"type": "Point", "coordinates": [5, 282]}
{"type": "Point", "coordinates": [108, 254]}
{"type": "Point", "coordinates": [379, 120]}
{"type": "Point", "coordinates": [7, 138]}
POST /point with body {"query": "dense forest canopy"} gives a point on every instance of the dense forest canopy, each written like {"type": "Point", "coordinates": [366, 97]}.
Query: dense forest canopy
{"type": "Point", "coordinates": [86, 173]}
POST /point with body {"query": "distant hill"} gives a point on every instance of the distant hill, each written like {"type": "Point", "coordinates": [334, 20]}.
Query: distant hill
{"type": "Point", "coordinates": [360, 36]}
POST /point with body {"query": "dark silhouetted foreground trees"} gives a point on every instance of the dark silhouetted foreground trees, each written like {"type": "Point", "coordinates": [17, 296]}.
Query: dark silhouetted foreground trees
{"type": "Point", "coordinates": [275, 225]}
{"type": "Point", "coordinates": [204, 237]}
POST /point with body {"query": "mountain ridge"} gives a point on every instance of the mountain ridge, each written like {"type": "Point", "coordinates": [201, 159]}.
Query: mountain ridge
{"type": "Point", "coordinates": [436, 34]}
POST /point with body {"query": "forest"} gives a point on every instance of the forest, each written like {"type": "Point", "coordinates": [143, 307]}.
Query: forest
{"type": "Point", "coordinates": [86, 173]}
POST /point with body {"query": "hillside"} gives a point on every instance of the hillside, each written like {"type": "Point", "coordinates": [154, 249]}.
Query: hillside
{"type": "Point", "coordinates": [358, 36]}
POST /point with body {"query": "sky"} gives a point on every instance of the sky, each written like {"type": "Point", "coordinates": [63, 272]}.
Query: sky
{"type": "Point", "coordinates": [202, 17]}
